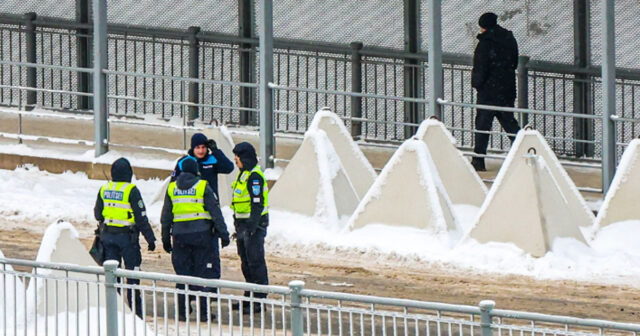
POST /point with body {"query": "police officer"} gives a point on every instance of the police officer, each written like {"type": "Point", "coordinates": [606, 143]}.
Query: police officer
{"type": "Point", "coordinates": [251, 218]}
{"type": "Point", "coordinates": [211, 160]}
{"type": "Point", "coordinates": [191, 214]}
{"type": "Point", "coordinates": [122, 216]}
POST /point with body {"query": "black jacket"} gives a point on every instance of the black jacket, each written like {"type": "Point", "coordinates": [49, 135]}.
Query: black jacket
{"type": "Point", "coordinates": [255, 184]}
{"type": "Point", "coordinates": [186, 181]}
{"type": "Point", "coordinates": [209, 166]}
{"type": "Point", "coordinates": [121, 172]}
{"type": "Point", "coordinates": [494, 63]}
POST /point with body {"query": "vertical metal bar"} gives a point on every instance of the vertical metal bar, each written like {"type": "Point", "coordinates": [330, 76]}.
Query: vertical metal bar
{"type": "Point", "coordinates": [246, 54]}
{"type": "Point", "coordinates": [194, 62]}
{"type": "Point", "coordinates": [412, 43]}
{"type": "Point", "coordinates": [583, 128]}
{"type": "Point", "coordinates": [99, 77]}
{"type": "Point", "coordinates": [111, 292]}
{"type": "Point", "coordinates": [486, 307]}
{"type": "Point", "coordinates": [435, 57]}
{"type": "Point", "coordinates": [356, 86]}
{"type": "Point", "coordinates": [267, 141]}
{"type": "Point", "coordinates": [523, 88]}
{"type": "Point", "coordinates": [296, 312]}
{"type": "Point", "coordinates": [608, 93]}
{"type": "Point", "coordinates": [30, 40]}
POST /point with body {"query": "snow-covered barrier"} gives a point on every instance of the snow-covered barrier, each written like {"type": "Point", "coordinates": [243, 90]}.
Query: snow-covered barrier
{"type": "Point", "coordinates": [621, 202]}
{"type": "Point", "coordinates": [459, 178]}
{"type": "Point", "coordinates": [355, 164]}
{"type": "Point", "coordinates": [78, 298]}
{"type": "Point", "coordinates": [315, 182]}
{"type": "Point", "coordinates": [532, 201]}
{"type": "Point", "coordinates": [408, 192]}
{"type": "Point", "coordinates": [225, 143]}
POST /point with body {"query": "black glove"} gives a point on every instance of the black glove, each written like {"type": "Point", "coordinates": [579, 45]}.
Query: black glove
{"type": "Point", "coordinates": [152, 246]}
{"type": "Point", "coordinates": [166, 245]}
{"type": "Point", "coordinates": [212, 145]}
{"type": "Point", "coordinates": [225, 241]}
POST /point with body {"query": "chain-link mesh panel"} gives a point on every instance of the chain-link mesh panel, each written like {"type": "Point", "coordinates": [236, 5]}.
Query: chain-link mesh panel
{"type": "Point", "coordinates": [543, 28]}
{"type": "Point", "coordinates": [373, 22]}
{"type": "Point", "coordinates": [56, 47]}
{"type": "Point", "coordinates": [219, 16]}
{"type": "Point", "coordinates": [12, 48]}
{"type": "Point", "coordinates": [54, 8]}
{"type": "Point", "coordinates": [220, 62]}
{"type": "Point", "coordinates": [627, 26]}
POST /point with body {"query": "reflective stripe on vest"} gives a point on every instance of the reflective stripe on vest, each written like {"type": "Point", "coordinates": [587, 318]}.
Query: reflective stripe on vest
{"type": "Point", "coordinates": [241, 203]}
{"type": "Point", "coordinates": [117, 210]}
{"type": "Point", "coordinates": [188, 204]}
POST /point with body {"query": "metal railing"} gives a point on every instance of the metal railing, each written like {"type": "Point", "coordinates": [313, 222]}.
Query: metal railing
{"type": "Point", "coordinates": [50, 298]}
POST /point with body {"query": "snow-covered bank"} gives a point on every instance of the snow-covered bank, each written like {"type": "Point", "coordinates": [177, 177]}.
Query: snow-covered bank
{"type": "Point", "coordinates": [32, 199]}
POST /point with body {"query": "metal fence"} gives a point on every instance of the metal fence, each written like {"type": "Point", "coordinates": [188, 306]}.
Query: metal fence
{"type": "Point", "coordinates": [159, 63]}
{"type": "Point", "coordinates": [47, 298]}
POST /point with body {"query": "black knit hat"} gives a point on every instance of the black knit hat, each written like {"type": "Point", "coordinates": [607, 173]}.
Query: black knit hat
{"type": "Point", "coordinates": [190, 165]}
{"type": "Point", "coordinates": [198, 139]}
{"type": "Point", "coordinates": [488, 20]}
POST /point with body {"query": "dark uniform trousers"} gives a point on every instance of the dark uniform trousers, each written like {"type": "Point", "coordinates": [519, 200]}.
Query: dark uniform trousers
{"type": "Point", "coordinates": [484, 121]}
{"type": "Point", "coordinates": [251, 251]}
{"type": "Point", "coordinates": [196, 254]}
{"type": "Point", "coordinates": [125, 247]}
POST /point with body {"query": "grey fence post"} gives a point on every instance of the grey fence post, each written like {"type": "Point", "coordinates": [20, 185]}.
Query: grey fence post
{"type": "Point", "coordinates": [247, 58]}
{"type": "Point", "coordinates": [583, 128]}
{"type": "Point", "coordinates": [356, 86]}
{"type": "Point", "coordinates": [194, 72]}
{"type": "Point", "coordinates": [523, 88]}
{"type": "Point", "coordinates": [100, 112]}
{"type": "Point", "coordinates": [486, 306]}
{"type": "Point", "coordinates": [82, 53]}
{"type": "Point", "coordinates": [297, 328]}
{"type": "Point", "coordinates": [608, 93]}
{"type": "Point", "coordinates": [435, 57]}
{"type": "Point", "coordinates": [111, 294]}
{"type": "Point", "coordinates": [30, 40]}
{"type": "Point", "coordinates": [412, 80]}
{"type": "Point", "coordinates": [267, 141]}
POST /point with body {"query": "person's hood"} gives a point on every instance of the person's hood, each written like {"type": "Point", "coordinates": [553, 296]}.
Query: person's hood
{"type": "Point", "coordinates": [497, 34]}
{"type": "Point", "coordinates": [247, 155]}
{"type": "Point", "coordinates": [186, 180]}
{"type": "Point", "coordinates": [121, 171]}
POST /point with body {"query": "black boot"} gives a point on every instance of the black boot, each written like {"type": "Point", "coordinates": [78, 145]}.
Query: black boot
{"type": "Point", "coordinates": [236, 305]}
{"type": "Point", "coordinates": [478, 164]}
{"type": "Point", "coordinates": [205, 311]}
{"type": "Point", "coordinates": [182, 315]}
{"type": "Point", "coordinates": [247, 308]}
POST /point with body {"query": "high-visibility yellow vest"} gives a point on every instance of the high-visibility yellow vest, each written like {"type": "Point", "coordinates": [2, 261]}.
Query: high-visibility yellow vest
{"type": "Point", "coordinates": [241, 202]}
{"type": "Point", "coordinates": [188, 204]}
{"type": "Point", "coordinates": [117, 209]}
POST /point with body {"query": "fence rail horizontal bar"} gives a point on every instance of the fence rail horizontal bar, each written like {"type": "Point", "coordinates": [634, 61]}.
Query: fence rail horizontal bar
{"type": "Point", "coordinates": [179, 78]}
{"type": "Point", "coordinates": [202, 282]}
{"type": "Point", "coordinates": [27, 88]}
{"type": "Point", "coordinates": [519, 110]}
{"type": "Point", "coordinates": [53, 266]}
{"type": "Point", "coordinates": [346, 93]}
{"type": "Point", "coordinates": [183, 103]}
{"type": "Point", "coordinates": [390, 301]}
{"type": "Point", "coordinates": [565, 320]}
{"type": "Point", "coordinates": [46, 66]}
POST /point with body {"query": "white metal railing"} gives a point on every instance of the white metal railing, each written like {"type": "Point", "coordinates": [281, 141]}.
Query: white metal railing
{"type": "Point", "coordinates": [86, 301]}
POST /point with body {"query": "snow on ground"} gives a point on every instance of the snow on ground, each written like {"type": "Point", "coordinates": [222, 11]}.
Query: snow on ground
{"type": "Point", "coordinates": [32, 199]}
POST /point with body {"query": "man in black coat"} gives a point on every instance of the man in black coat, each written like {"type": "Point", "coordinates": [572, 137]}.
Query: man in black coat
{"type": "Point", "coordinates": [211, 160]}
{"type": "Point", "coordinates": [122, 216]}
{"type": "Point", "coordinates": [494, 63]}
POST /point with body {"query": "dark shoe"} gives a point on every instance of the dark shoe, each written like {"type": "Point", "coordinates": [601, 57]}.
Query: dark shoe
{"type": "Point", "coordinates": [478, 164]}
{"type": "Point", "coordinates": [182, 317]}
{"type": "Point", "coordinates": [203, 317]}
{"type": "Point", "coordinates": [236, 305]}
{"type": "Point", "coordinates": [247, 309]}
